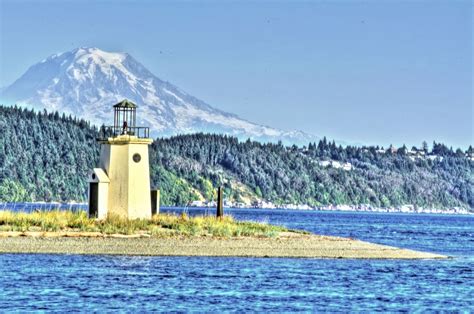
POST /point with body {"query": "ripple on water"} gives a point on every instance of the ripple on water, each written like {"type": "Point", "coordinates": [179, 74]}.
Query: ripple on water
{"type": "Point", "coordinates": [120, 283]}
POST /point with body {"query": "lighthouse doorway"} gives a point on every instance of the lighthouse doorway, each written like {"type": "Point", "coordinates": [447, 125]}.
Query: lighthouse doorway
{"type": "Point", "coordinates": [93, 199]}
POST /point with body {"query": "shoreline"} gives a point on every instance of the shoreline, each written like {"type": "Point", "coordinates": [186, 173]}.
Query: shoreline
{"type": "Point", "coordinates": [347, 209]}
{"type": "Point", "coordinates": [337, 209]}
{"type": "Point", "coordinates": [49, 206]}
{"type": "Point", "coordinates": [286, 245]}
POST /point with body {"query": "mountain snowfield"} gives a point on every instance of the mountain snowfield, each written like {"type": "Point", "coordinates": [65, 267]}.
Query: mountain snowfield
{"type": "Point", "coordinates": [87, 82]}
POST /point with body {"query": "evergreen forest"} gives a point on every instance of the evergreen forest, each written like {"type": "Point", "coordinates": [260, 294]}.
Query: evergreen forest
{"type": "Point", "coordinates": [48, 157]}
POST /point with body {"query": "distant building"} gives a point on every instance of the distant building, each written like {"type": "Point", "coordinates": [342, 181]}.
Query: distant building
{"type": "Point", "coordinates": [470, 155]}
{"type": "Point", "coordinates": [392, 150]}
{"type": "Point", "coordinates": [197, 204]}
{"type": "Point", "coordinates": [347, 166]}
{"type": "Point", "coordinates": [416, 153]}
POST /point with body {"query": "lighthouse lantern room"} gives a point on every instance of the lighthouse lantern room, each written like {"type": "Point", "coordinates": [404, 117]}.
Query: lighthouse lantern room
{"type": "Point", "coordinates": [121, 184]}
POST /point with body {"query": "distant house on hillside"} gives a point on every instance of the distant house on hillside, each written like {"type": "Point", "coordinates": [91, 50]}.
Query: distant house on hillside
{"type": "Point", "coordinates": [347, 166]}
{"type": "Point", "coordinates": [392, 150]}
{"type": "Point", "coordinates": [416, 153]}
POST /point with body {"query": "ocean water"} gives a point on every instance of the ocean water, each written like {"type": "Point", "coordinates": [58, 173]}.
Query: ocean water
{"type": "Point", "coordinates": [142, 284]}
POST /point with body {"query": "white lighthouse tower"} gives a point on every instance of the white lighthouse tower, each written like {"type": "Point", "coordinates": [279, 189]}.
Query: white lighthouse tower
{"type": "Point", "coordinates": [121, 184]}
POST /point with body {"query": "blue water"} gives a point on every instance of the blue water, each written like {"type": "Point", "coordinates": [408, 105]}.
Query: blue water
{"type": "Point", "coordinates": [142, 284]}
{"type": "Point", "coordinates": [30, 207]}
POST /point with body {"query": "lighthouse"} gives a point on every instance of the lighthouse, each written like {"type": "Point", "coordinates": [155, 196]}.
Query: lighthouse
{"type": "Point", "coordinates": [121, 184]}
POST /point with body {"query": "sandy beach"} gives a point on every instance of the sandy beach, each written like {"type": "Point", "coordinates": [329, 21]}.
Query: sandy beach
{"type": "Point", "coordinates": [285, 245]}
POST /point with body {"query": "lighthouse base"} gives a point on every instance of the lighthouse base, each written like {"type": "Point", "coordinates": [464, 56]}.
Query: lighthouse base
{"type": "Point", "coordinates": [125, 161]}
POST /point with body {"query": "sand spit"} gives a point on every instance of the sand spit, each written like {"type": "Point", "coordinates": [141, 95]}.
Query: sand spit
{"type": "Point", "coordinates": [287, 244]}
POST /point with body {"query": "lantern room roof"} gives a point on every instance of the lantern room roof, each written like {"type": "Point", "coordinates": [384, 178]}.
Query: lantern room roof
{"type": "Point", "coordinates": [125, 104]}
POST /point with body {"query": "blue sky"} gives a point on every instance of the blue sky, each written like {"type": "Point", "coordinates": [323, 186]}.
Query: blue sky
{"type": "Point", "coordinates": [369, 72]}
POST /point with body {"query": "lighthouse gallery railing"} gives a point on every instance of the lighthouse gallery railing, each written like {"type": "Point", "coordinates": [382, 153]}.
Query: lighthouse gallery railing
{"type": "Point", "coordinates": [106, 132]}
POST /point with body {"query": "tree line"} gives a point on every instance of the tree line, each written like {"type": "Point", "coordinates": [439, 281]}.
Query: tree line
{"type": "Point", "coordinates": [47, 157]}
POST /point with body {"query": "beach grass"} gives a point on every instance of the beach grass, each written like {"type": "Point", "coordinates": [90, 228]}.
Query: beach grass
{"type": "Point", "coordinates": [161, 225]}
{"type": "Point", "coordinates": [67, 232]}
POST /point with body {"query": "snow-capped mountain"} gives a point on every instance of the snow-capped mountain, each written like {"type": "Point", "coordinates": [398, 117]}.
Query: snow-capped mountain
{"type": "Point", "coordinates": [86, 82]}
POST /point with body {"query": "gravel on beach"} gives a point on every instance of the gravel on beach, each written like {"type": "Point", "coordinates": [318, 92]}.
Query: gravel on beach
{"type": "Point", "coordinates": [285, 245]}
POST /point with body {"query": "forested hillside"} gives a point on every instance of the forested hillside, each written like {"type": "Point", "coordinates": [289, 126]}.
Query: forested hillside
{"type": "Point", "coordinates": [47, 156]}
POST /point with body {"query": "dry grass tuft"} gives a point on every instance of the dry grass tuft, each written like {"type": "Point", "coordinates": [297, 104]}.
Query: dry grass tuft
{"type": "Point", "coordinates": [161, 225]}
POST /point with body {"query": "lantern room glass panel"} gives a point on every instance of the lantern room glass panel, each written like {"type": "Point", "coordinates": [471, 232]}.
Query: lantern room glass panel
{"type": "Point", "coordinates": [125, 117]}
